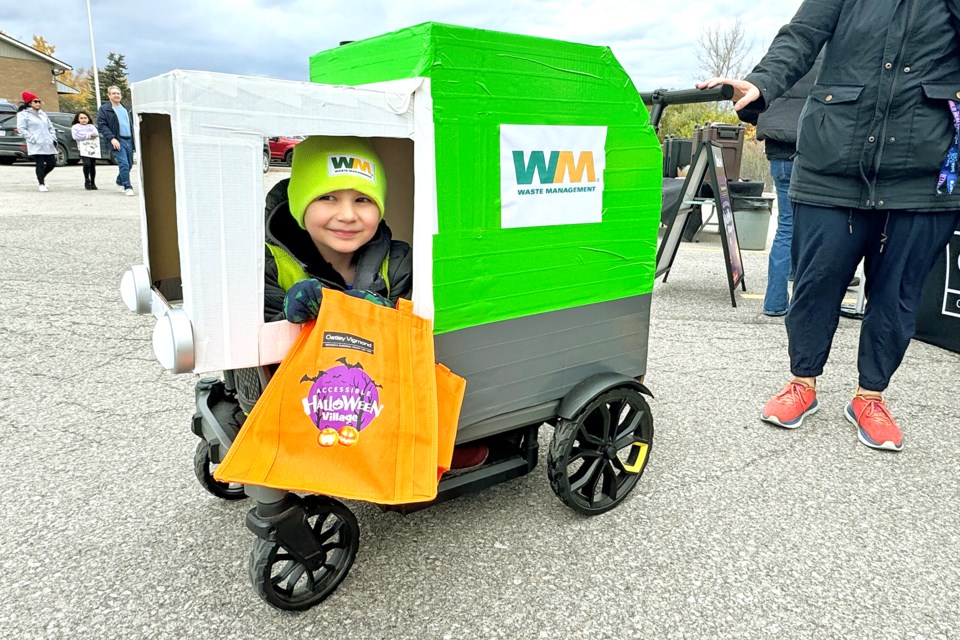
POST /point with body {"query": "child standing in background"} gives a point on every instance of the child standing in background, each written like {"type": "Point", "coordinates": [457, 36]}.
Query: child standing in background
{"type": "Point", "coordinates": [83, 129]}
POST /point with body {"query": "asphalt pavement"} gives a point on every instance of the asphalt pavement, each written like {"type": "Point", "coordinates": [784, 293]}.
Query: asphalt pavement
{"type": "Point", "coordinates": [736, 530]}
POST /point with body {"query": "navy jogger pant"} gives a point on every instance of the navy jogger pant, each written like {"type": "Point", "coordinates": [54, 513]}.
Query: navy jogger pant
{"type": "Point", "coordinates": [898, 248]}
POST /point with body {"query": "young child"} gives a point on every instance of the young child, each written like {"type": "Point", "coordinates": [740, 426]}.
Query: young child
{"type": "Point", "coordinates": [84, 129]}
{"type": "Point", "coordinates": [325, 229]}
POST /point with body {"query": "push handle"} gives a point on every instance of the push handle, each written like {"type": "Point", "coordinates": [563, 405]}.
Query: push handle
{"type": "Point", "coordinates": [661, 98]}
{"type": "Point", "coordinates": [687, 96]}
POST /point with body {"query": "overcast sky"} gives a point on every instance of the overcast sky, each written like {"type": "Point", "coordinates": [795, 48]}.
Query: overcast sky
{"type": "Point", "coordinates": [656, 42]}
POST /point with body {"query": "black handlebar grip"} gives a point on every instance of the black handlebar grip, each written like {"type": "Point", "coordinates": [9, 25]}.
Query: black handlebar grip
{"type": "Point", "coordinates": [688, 96]}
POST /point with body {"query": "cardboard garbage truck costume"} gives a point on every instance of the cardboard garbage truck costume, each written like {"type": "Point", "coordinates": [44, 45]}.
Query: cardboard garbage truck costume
{"type": "Point", "coordinates": [522, 170]}
{"type": "Point", "coordinates": [525, 174]}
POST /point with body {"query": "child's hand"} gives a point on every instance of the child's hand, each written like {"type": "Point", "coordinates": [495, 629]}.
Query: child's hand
{"type": "Point", "coordinates": [369, 296]}
{"type": "Point", "coordinates": [302, 301]}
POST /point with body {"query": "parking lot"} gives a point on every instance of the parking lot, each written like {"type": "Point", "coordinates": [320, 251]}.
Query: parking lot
{"type": "Point", "coordinates": [736, 530]}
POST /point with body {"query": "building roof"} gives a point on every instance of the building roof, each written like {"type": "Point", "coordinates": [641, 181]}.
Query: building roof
{"type": "Point", "coordinates": [66, 90]}
{"type": "Point", "coordinates": [59, 64]}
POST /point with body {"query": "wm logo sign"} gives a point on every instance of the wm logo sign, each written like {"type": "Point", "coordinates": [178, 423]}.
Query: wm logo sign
{"type": "Point", "coordinates": [558, 167]}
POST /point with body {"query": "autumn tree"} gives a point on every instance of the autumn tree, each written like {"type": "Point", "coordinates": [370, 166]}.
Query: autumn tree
{"type": "Point", "coordinates": [41, 45]}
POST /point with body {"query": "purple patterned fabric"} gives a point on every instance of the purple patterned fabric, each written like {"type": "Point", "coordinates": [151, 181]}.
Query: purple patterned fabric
{"type": "Point", "coordinates": [948, 172]}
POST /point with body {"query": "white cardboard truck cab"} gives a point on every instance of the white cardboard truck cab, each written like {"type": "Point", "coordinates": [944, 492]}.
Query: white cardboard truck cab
{"type": "Point", "coordinates": [200, 141]}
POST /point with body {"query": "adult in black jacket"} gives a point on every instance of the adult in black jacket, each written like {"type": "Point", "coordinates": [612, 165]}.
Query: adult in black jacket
{"type": "Point", "coordinates": [777, 127]}
{"type": "Point", "coordinates": [873, 139]}
{"type": "Point", "coordinates": [115, 123]}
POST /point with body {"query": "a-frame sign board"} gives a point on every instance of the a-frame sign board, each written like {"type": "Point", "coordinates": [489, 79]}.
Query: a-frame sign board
{"type": "Point", "coordinates": [707, 165]}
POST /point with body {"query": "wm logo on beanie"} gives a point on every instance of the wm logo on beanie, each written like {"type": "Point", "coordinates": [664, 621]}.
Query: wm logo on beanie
{"type": "Point", "coordinates": [341, 165]}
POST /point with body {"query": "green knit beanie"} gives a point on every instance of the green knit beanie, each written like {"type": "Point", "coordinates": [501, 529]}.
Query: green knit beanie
{"type": "Point", "coordinates": [322, 164]}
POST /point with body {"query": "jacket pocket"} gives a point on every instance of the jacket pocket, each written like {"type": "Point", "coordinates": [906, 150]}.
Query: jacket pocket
{"type": "Point", "coordinates": [931, 131]}
{"type": "Point", "coordinates": [828, 128]}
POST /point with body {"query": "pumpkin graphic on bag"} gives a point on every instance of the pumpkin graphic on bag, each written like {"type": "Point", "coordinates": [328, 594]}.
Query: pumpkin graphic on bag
{"type": "Point", "coordinates": [341, 402]}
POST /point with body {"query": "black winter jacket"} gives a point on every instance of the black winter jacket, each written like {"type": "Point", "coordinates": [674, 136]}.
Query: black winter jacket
{"type": "Point", "coordinates": [284, 232]}
{"type": "Point", "coordinates": [877, 126]}
{"type": "Point", "coordinates": [108, 124]}
{"type": "Point", "coordinates": [777, 126]}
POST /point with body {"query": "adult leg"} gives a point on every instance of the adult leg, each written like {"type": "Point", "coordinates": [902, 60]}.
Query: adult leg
{"type": "Point", "coordinates": [830, 243]}
{"type": "Point", "coordinates": [895, 278]}
{"type": "Point", "coordinates": [51, 164]}
{"type": "Point", "coordinates": [40, 167]}
{"type": "Point", "coordinates": [125, 160]}
{"type": "Point", "coordinates": [779, 265]}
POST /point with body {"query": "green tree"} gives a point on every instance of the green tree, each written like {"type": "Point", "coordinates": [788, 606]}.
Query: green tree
{"type": "Point", "coordinates": [115, 73]}
{"type": "Point", "coordinates": [679, 120]}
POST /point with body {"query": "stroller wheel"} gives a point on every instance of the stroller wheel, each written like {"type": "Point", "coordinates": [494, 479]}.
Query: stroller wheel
{"type": "Point", "coordinates": [596, 459]}
{"type": "Point", "coordinates": [203, 467]}
{"type": "Point", "coordinates": [286, 583]}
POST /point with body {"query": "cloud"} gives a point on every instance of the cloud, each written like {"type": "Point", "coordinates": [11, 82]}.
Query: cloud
{"type": "Point", "coordinates": [655, 42]}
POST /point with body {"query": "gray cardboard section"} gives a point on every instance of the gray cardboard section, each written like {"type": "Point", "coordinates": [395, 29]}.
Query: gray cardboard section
{"type": "Point", "coordinates": [520, 363]}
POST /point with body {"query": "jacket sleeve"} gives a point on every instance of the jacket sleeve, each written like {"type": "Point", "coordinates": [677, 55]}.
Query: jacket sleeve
{"type": "Point", "coordinates": [792, 53]}
{"type": "Point", "coordinates": [103, 126]}
{"type": "Point", "coordinates": [954, 7]}
{"type": "Point", "coordinates": [24, 126]}
{"type": "Point", "coordinates": [75, 132]}
{"type": "Point", "coordinates": [273, 293]}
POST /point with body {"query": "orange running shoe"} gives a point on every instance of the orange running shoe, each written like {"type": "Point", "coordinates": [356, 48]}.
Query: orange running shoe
{"type": "Point", "coordinates": [789, 407]}
{"type": "Point", "coordinates": [875, 426]}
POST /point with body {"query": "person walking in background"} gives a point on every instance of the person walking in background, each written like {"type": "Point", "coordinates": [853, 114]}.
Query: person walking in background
{"type": "Point", "coordinates": [876, 147]}
{"type": "Point", "coordinates": [83, 130]}
{"type": "Point", "coordinates": [38, 131]}
{"type": "Point", "coordinates": [777, 127]}
{"type": "Point", "coordinates": [115, 123]}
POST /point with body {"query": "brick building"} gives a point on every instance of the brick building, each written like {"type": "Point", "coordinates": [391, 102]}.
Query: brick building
{"type": "Point", "coordinates": [24, 68]}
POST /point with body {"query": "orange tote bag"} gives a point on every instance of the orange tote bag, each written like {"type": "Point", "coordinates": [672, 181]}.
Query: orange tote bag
{"type": "Point", "coordinates": [358, 409]}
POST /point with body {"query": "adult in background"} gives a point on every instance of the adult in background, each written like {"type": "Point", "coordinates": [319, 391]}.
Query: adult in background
{"type": "Point", "coordinates": [115, 123]}
{"type": "Point", "coordinates": [777, 127]}
{"type": "Point", "coordinates": [38, 131]}
{"type": "Point", "coordinates": [873, 179]}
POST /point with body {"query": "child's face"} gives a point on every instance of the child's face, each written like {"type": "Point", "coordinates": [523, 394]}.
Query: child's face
{"type": "Point", "coordinates": [83, 119]}
{"type": "Point", "coordinates": [341, 221]}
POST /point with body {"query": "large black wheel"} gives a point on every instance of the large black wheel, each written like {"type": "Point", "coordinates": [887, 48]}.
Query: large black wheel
{"type": "Point", "coordinates": [203, 467]}
{"type": "Point", "coordinates": [285, 583]}
{"type": "Point", "coordinates": [596, 459]}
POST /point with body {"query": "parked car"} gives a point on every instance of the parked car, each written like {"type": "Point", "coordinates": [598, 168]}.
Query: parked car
{"type": "Point", "coordinates": [12, 145]}
{"type": "Point", "coordinates": [281, 148]}
{"type": "Point", "coordinates": [67, 151]}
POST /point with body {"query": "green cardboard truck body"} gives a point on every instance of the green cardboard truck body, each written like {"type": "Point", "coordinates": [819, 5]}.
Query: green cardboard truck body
{"type": "Point", "coordinates": [547, 178]}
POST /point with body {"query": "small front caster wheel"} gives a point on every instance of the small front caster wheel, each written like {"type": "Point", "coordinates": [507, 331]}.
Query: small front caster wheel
{"type": "Point", "coordinates": [203, 467]}
{"type": "Point", "coordinates": [596, 459]}
{"type": "Point", "coordinates": [284, 582]}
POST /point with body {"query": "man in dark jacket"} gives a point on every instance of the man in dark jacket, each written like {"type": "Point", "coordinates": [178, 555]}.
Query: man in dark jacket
{"type": "Point", "coordinates": [115, 123]}
{"type": "Point", "coordinates": [876, 134]}
{"type": "Point", "coordinates": [777, 128]}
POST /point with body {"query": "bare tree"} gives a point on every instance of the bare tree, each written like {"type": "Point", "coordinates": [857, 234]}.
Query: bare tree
{"type": "Point", "coordinates": [723, 52]}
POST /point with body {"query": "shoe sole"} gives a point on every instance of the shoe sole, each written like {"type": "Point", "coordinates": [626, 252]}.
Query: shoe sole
{"type": "Point", "coordinates": [886, 445]}
{"type": "Point", "coordinates": [796, 422]}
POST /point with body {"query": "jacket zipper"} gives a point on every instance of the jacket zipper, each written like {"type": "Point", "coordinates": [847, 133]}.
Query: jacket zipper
{"type": "Point", "coordinates": [886, 114]}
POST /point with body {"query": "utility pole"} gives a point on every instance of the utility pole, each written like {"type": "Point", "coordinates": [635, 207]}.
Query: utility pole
{"type": "Point", "coordinates": [93, 52]}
